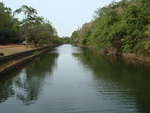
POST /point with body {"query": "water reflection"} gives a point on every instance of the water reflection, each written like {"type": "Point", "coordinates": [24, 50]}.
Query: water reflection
{"type": "Point", "coordinates": [6, 90]}
{"type": "Point", "coordinates": [121, 81]}
{"type": "Point", "coordinates": [78, 81]}
{"type": "Point", "coordinates": [27, 84]}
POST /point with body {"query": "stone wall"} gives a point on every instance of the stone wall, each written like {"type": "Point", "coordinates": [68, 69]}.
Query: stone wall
{"type": "Point", "coordinates": [23, 61]}
{"type": "Point", "coordinates": [19, 55]}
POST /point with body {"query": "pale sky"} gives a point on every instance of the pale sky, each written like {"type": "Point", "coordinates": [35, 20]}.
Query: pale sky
{"type": "Point", "coordinates": [65, 15]}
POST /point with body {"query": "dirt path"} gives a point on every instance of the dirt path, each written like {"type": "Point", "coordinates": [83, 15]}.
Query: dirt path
{"type": "Point", "coordinates": [10, 49]}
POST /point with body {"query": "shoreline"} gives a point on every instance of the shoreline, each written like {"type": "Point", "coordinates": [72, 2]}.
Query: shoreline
{"type": "Point", "coordinates": [108, 52]}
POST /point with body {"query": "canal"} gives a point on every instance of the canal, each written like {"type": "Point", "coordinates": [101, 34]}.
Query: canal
{"type": "Point", "coordinates": [71, 79]}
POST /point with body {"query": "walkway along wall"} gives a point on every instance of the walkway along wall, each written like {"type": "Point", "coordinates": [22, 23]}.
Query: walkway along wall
{"type": "Point", "coordinates": [23, 61]}
{"type": "Point", "coordinates": [19, 55]}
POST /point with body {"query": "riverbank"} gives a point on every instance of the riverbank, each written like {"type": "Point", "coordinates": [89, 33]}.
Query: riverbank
{"type": "Point", "coordinates": [109, 52]}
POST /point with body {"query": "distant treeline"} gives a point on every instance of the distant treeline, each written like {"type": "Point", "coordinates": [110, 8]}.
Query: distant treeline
{"type": "Point", "coordinates": [121, 26]}
{"type": "Point", "coordinates": [35, 29]}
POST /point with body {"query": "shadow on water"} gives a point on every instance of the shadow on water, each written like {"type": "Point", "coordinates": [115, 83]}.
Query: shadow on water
{"type": "Point", "coordinates": [126, 81]}
{"type": "Point", "coordinates": [27, 83]}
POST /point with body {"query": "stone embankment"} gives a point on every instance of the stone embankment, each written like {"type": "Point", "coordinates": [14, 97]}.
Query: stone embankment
{"type": "Point", "coordinates": [11, 62]}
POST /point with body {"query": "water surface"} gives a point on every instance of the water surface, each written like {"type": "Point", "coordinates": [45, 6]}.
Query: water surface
{"type": "Point", "coordinates": [70, 79]}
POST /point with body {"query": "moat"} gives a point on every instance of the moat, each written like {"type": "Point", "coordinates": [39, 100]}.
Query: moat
{"type": "Point", "coordinates": [71, 79]}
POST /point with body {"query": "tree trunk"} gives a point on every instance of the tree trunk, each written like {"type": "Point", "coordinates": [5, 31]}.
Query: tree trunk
{"type": "Point", "coordinates": [35, 43]}
{"type": "Point", "coordinates": [26, 35]}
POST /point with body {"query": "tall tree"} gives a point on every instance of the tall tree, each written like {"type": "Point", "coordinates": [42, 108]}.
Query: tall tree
{"type": "Point", "coordinates": [5, 23]}
{"type": "Point", "coordinates": [30, 16]}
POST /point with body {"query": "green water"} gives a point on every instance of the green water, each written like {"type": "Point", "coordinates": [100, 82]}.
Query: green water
{"type": "Point", "coordinates": [70, 79]}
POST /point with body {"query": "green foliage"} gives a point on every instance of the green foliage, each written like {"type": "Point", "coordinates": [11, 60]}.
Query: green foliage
{"type": "Point", "coordinates": [84, 41]}
{"type": "Point", "coordinates": [148, 30]}
{"type": "Point", "coordinates": [35, 53]}
{"type": "Point", "coordinates": [32, 27]}
{"type": "Point", "coordinates": [66, 40]}
{"type": "Point", "coordinates": [123, 26]}
{"type": "Point", "coordinates": [41, 33]}
{"type": "Point", "coordinates": [147, 45]}
{"type": "Point", "coordinates": [74, 37]}
{"type": "Point", "coordinates": [7, 33]}
{"type": "Point", "coordinates": [37, 30]}
{"type": "Point", "coordinates": [30, 17]}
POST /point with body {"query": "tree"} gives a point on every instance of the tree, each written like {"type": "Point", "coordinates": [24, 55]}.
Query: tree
{"type": "Point", "coordinates": [118, 27]}
{"type": "Point", "coordinates": [5, 24]}
{"type": "Point", "coordinates": [30, 16]}
{"type": "Point", "coordinates": [42, 32]}
{"type": "Point", "coordinates": [66, 39]}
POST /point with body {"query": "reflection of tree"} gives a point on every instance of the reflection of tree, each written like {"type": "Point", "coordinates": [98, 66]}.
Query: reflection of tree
{"type": "Point", "coordinates": [130, 77]}
{"type": "Point", "coordinates": [36, 74]}
{"type": "Point", "coordinates": [6, 87]}
{"type": "Point", "coordinates": [6, 91]}
{"type": "Point", "coordinates": [28, 84]}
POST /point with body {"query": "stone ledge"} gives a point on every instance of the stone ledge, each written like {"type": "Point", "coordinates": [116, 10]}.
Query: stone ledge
{"type": "Point", "coordinates": [22, 61]}
{"type": "Point", "coordinates": [19, 55]}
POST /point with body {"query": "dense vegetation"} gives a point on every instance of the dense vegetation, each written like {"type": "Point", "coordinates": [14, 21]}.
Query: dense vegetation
{"type": "Point", "coordinates": [121, 27]}
{"type": "Point", "coordinates": [66, 40]}
{"type": "Point", "coordinates": [32, 28]}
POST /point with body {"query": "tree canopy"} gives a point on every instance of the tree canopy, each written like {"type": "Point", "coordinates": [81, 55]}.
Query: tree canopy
{"type": "Point", "coordinates": [36, 29]}
{"type": "Point", "coordinates": [6, 23]}
{"type": "Point", "coordinates": [121, 26]}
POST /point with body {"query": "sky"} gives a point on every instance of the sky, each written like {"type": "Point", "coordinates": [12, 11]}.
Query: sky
{"type": "Point", "coordinates": [65, 15]}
